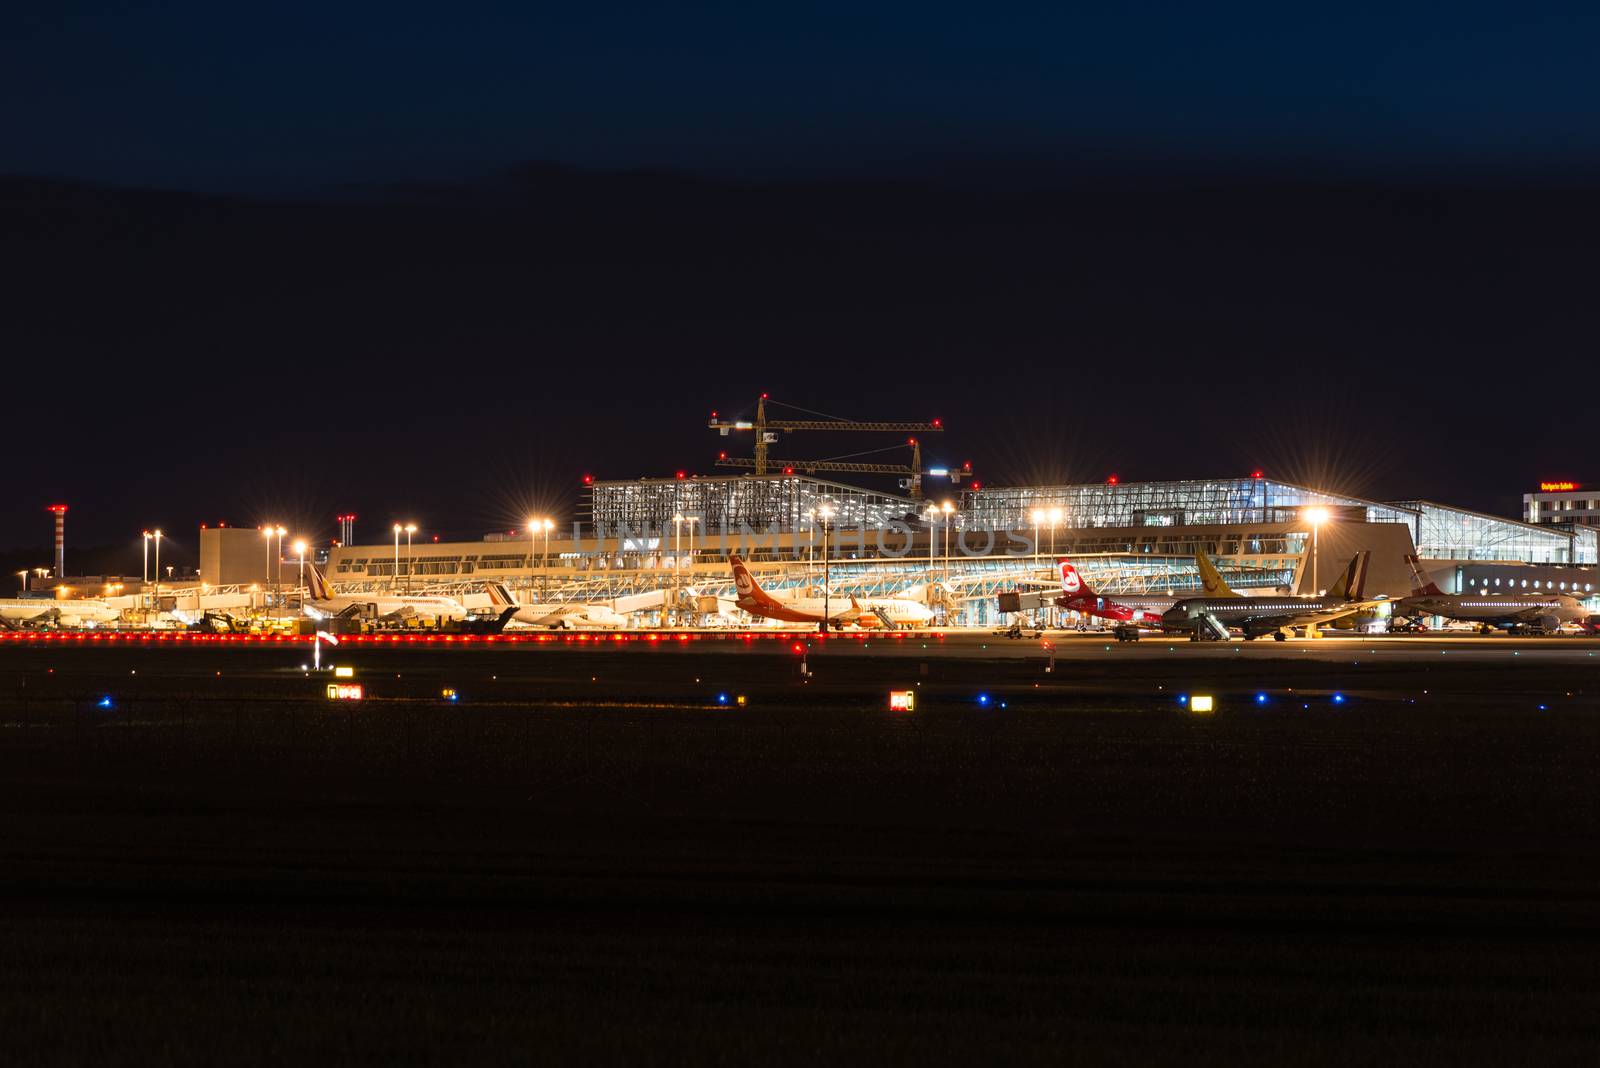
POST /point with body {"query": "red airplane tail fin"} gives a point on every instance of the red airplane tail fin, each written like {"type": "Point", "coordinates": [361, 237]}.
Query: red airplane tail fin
{"type": "Point", "coordinates": [745, 583]}
{"type": "Point", "coordinates": [1073, 584]}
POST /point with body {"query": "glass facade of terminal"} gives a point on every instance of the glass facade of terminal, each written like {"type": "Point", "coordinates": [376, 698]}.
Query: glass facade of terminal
{"type": "Point", "coordinates": [759, 502]}
{"type": "Point", "coordinates": [1135, 517]}
{"type": "Point", "coordinates": [1197, 502]}
{"type": "Point", "coordinates": [1441, 532]}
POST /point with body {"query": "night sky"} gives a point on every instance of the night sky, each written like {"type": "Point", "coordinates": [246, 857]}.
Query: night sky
{"type": "Point", "coordinates": [439, 262]}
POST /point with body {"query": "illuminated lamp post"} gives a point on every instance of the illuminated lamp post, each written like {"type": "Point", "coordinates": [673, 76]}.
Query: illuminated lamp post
{"type": "Point", "coordinates": [144, 577]}
{"type": "Point", "coordinates": [533, 530]}
{"type": "Point", "coordinates": [677, 562]}
{"type": "Point", "coordinates": [157, 535]}
{"type": "Point", "coordinates": [300, 551]}
{"type": "Point", "coordinates": [825, 513]}
{"type": "Point", "coordinates": [1055, 518]}
{"type": "Point", "coordinates": [394, 580]}
{"type": "Point", "coordinates": [1037, 515]}
{"type": "Point", "coordinates": [1317, 516]}
{"type": "Point", "coordinates": [947, 508]}
{"type": "Point", "coordinates": [931, 514]}
{"type": "Point", "coordinates": [546, 525]}
{"type": "Point", "coordinates": [24, 574]}
{"type": "Point", "coordinates": [411, 560]}
{"type": "Point", "coordinates": [266, 579]}
{"type": "Point", "coordinates": [811, 539]}
{"type": "Point", "coordinates": [277, 581]}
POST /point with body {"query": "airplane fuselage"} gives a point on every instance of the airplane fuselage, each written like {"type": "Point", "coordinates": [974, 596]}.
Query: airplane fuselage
{"type": "Point", "coordinates": [1140, 612]}
{"type": "Point", "coordinates": [1258, 615]}
{"type": "Point", "coordinates": [66, 613]}
{"type": "Point", "coordinates": [1513, 610]}
{"type": "Point", "coordinates": [387, 605]}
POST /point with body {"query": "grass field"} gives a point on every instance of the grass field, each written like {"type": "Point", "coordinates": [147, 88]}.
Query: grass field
{"type": "Point", "coordinates": [586, 856]}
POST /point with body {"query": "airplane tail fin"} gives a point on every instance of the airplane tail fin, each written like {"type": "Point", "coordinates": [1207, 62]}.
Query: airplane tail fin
{"type": "Point", "coordinates": [499, 596]}
{"type": "Point", "coordinates": [1420, 580]}
{"type": "Point", "coordinates": [1072, 581]}
{"type": "Point", "coordinates": [316, 586]}
{"type": "Point", "coordinates": [1353, 581]}
{"type": "Point", "coordinates": [1211, 578]}
{"type": "Point", "coordinates": [745, 583]}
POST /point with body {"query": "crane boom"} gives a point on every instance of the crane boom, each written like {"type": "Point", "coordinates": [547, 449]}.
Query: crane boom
{"type": "Point", "coordinates": [766, 432]}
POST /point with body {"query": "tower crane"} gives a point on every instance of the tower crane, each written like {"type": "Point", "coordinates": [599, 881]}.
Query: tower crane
{"type": "Point", "coordinates": [766, 434]}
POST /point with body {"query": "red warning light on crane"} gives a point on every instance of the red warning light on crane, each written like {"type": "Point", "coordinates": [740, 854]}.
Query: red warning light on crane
{"type": "Point", "coordinates": [1112, 481]}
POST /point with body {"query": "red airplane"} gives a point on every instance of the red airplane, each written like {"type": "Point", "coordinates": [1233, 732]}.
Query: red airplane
{"type": "Point", "coordinates": [1076, 596]}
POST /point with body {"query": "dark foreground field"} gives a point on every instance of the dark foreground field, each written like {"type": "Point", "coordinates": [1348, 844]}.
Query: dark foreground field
{"type": "Point", "coordinates": [586, 857]}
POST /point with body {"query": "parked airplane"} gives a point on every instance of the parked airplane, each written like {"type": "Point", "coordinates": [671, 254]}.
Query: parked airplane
{"type": "Point", "coordinates": [603, 614]}
{"type": "Point", "coordinates": [322, 601]}
{"type": "Point", "coordinates": [1541, 611]}
{"type": "Point", "coordinates": [1210, 616]}
{"type": "Point", "coordinates": [1076, 596]}
{"type": "Point", "coordinates": [37, 611]}
{"type": "Point", "coordinates": [891, 612]}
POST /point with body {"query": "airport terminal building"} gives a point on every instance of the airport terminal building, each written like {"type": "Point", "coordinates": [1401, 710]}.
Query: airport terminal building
{"type": "Point", "coordinates": [1129, 537]}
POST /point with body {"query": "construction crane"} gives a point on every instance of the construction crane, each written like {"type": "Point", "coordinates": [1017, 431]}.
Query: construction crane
{"type": "Point", "coordinates": [766, 434]}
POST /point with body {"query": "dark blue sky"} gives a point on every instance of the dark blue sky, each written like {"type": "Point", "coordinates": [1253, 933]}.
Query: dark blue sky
{"type": "Point", "coordinates": [284, 95]}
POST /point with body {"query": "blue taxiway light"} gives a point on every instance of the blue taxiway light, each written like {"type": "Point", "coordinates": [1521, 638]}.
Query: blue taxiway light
{"type": "Point", "coordinates": [1261, 698]}
{"type": "Point", "coordinates": [1183, 698]}
{"type": "Point", "coordinates": [722, 698]}
{"type": "Point", "coordinates": [1338, 698]}
{"type": "Point", "coordinates": [105, 702]}
{"type": "Point", "coordinates": [983, 699]}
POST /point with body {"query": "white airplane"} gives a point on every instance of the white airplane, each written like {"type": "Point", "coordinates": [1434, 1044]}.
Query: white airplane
{"type": "Point", "coordinates": [321, 601]}
{"type": "Point", "coordinates": [609, 615]}
{"type": "Point", "coordinates": [890, 612]}
{"type": "Point", "coordinates": [36, 611]}
{"type": "Point", "coordinates": [1514, 612]}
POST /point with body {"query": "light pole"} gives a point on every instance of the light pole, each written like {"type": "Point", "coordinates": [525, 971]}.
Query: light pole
{"type": "Point", "coordinates": [1318, 516]}
{"type": "Point", "coordinates": [157, 535]}
{"type": "Point", "coordinates": [144, 577]}
{"type": "Point", "coordinates": [533, 530]}
{"type": "Point", "coordinates": [677, 559]}
{"type": "Point", "coordinates": [947, 508]}
{"type": "Point", "coordinates": [277, 582]}
{"type": "Point", "coordinates": [300, 551]}
{"type": "Point", "coordinates": [266, 578]}
{"type": "Point", "coordinates": [1037, 515]}
{"type": "Point", "coordinates": [1055, 517]}
{"type": "Point", "coordinates": [411, 561]}
{"type": "Point", "coordinates": [395, 581]}
{"type": "Point", "coordinates": [24, 574]}
{"type": "Point", "coordinates": [931, 515]}
{"type": "Point", "coordinates": [825, 513]}
{"type": "Point", "coordinates": [811, 540]}
{"type": "Point", "coordinates": [546, 525]}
